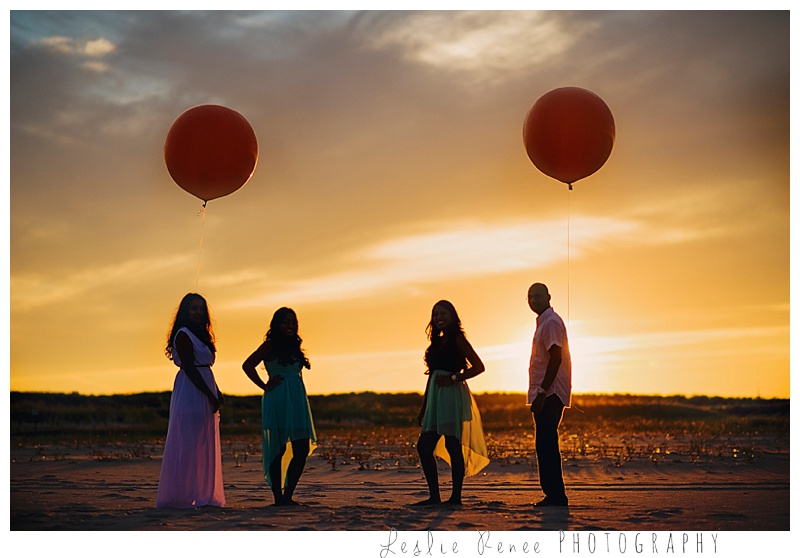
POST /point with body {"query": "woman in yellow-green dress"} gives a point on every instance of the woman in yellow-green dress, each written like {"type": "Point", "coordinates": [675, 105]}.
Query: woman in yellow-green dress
{"type": "Point", "coordinates": [450, 420]}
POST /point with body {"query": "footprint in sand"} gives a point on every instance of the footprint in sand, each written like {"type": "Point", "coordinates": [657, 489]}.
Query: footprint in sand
{"type": "Point", "coordinates": [116, 496]}
{"type": "Point", "coordinates": [726, 516]}
{"type": "Point", "coordinates": [665, 513]}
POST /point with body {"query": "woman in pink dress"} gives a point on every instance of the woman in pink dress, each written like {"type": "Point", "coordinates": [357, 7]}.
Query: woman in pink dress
{"type": "Point", "coordinates": [191, 471]}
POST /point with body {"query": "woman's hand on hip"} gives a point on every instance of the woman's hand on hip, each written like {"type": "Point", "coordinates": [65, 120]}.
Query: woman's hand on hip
{"type": "Point", "coordinates": [444, 381]}
{"type": "Point", "coordinates": [274, 381]}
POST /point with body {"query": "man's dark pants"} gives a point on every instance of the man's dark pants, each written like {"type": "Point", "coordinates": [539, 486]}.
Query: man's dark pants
{"type": "Point", "coordinates": [548, 454]}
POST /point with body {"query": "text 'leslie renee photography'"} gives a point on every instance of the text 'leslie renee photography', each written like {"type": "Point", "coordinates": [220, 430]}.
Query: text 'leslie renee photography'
{"type": "Point", "coordinates": [483, 543]}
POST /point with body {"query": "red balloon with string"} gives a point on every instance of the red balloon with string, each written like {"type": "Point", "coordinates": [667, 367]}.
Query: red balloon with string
{"type": "Point", "coordinates": [569, 134]}
{"type": "Point", "coordinates": [211, 151]}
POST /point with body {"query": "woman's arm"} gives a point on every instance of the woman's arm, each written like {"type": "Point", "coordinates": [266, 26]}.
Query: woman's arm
{"type": "Point", "coordinates": [475, 364]}
{"type": "Point", "coordinates": [186, 352]}
{"type": "Point", "coordinates": [249, 365]}
{"type": "Point", "coordinates": [220, 397]}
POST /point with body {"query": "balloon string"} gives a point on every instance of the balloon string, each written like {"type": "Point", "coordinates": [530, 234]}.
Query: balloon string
{"type": "Point", "coordinates": [202, 214]}
{"type": "Point", "coordinates": [569, 212]}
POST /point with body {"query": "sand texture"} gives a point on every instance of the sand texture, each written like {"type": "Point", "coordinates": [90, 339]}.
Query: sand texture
{"type": "Point", "coordinates": [110, 489]}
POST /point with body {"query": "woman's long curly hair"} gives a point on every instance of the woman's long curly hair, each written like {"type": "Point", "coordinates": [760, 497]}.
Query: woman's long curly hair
{"type": "Point", "coordinates": [286, 349]}
{"type": "Point", "coordinates": [437, 337]}
{"type": "Point", "coordinates": [203, 331]}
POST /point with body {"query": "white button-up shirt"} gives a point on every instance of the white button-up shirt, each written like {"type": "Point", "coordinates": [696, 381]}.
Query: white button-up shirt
{"type": "Point", "coordinates": [550, 330]}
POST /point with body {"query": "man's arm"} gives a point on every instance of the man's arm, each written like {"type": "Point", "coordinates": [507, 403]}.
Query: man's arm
{"type": "Point", "coordinates": [553, 364]}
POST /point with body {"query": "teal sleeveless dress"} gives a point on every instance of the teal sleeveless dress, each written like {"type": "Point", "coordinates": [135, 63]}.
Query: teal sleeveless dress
{"type": "Point", "coordinates": [285, 416]}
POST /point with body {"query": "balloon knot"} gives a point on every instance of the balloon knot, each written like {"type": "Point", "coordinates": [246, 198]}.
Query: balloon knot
{"type": "Point", "coordinates": [570, 185]}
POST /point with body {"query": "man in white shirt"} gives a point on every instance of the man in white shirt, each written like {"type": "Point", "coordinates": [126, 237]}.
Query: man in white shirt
{"type": "Point", "coordinates": [549, 392]}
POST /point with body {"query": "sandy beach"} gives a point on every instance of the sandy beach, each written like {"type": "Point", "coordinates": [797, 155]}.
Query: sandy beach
{"type": "Point", "coordinates": [107, 489]}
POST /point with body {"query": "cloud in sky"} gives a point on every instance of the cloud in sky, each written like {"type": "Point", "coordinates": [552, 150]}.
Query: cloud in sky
{"type": "Point", "coordinates": [459, 252]}
{"type": "Point", "coordinates": [35, 291]}
{"type": "Point", "coordinates": [88, 48]}
{"type": "Point", "coordinates": [486, 47]}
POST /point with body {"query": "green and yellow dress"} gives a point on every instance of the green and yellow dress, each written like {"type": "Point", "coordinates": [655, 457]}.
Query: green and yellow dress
{"type": "Point", "coordinates": [452, 411]}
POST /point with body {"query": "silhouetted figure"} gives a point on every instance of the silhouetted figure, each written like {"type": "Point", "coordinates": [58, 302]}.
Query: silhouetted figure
{"type": "Point", "coordinates": [549, 392]}
{"type": "Point", "coordinates": [288, 436]}
{"type": "Point", "coordinates": [450, 421]}
{"type": "Point", "coordinates": [191, 471]}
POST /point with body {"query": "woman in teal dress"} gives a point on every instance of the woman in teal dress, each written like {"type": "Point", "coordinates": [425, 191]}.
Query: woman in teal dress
{"type": "Point", "coordinates": [288, 436]}
{"type": "Point", "coordinates": [450, 420]}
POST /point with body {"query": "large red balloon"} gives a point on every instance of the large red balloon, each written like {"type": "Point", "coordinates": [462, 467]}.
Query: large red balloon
{"type": "Point", "coordinates": [569, 133]}
{"type": "Point", "coordinates": [211, 151]}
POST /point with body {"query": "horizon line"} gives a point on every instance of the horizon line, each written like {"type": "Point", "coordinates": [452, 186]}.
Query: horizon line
{"type": "Point", "coordinates": [367, 392]}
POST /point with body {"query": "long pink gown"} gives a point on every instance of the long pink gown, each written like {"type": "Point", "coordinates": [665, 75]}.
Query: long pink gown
{"type": "Point", "coordinates": [191, 471]}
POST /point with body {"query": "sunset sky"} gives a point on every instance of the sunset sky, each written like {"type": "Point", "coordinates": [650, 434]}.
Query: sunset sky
{"type": "Point", "coordinates": [392, 174]}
